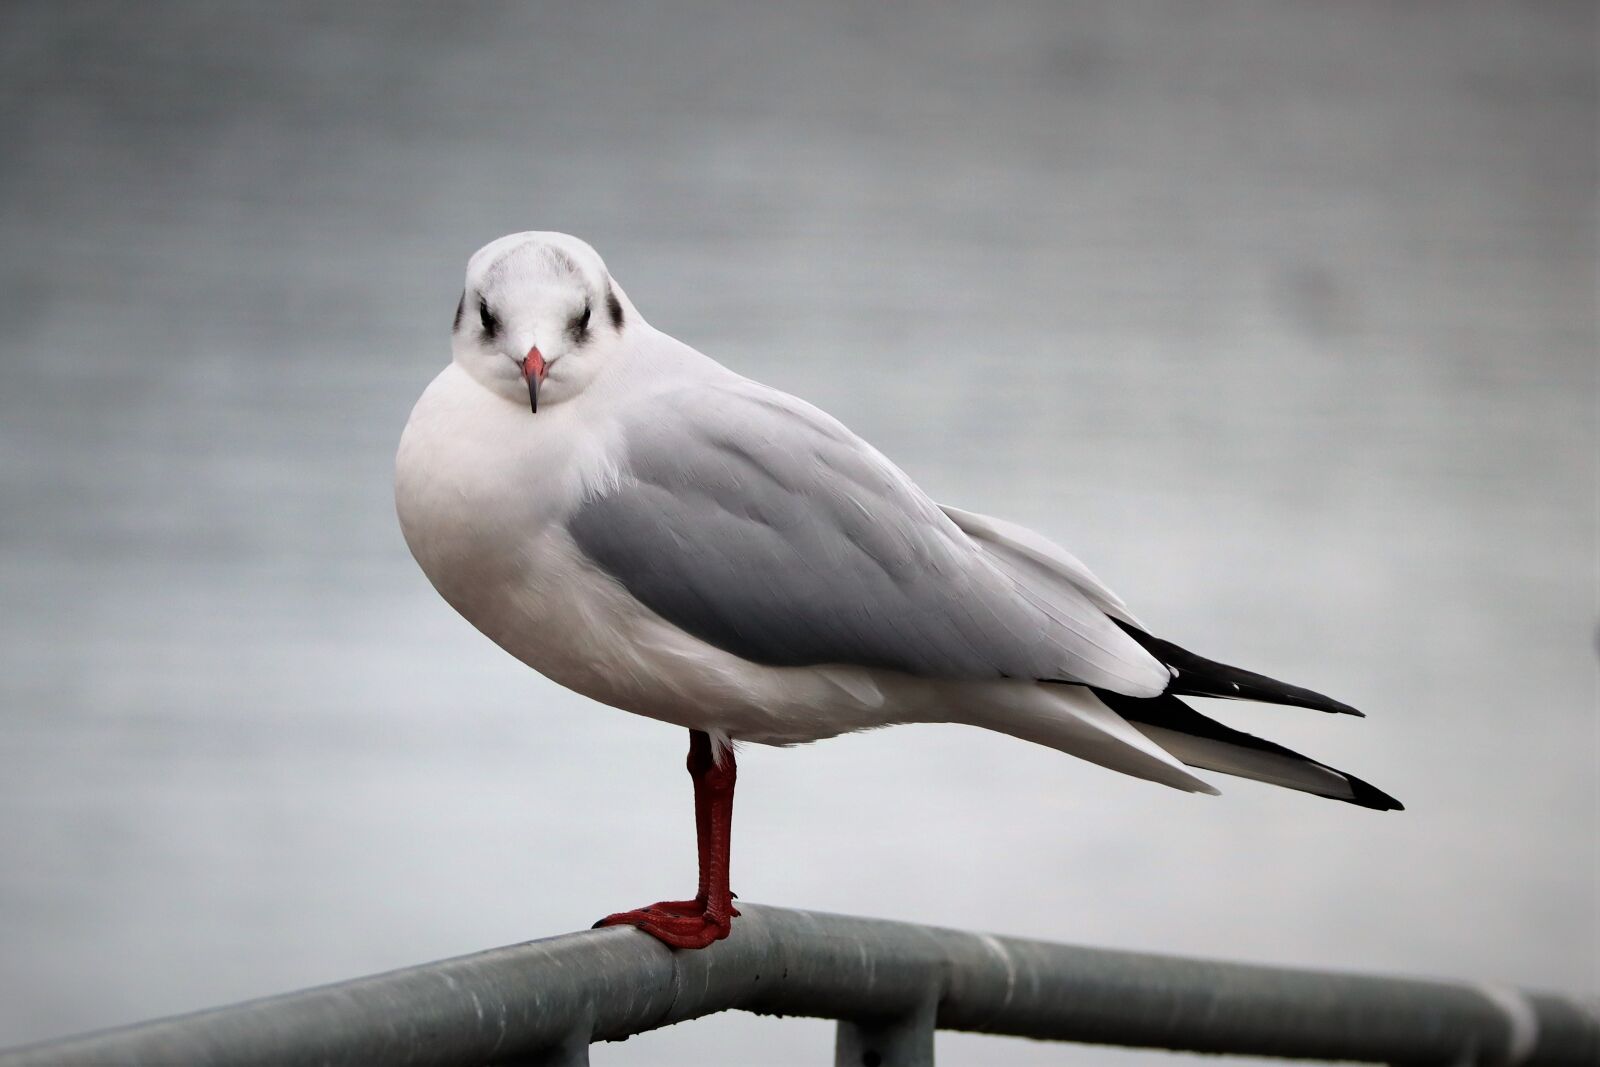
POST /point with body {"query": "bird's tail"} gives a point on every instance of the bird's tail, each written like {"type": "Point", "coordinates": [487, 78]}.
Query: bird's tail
{"type": "Point", "coordinates": [1209, 745]}
{"type": "Point", "coordinates": [1069, 719]}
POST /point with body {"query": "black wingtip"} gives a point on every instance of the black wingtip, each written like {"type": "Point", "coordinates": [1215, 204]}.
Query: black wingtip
{"type": "Point", "coordinates": [1167, 712]}
{"type": "Point", "coordinates": [1197, 676]}
{"type": "Point", "coordinates": [1367, 795]}
{"type": "Point", "coordinates": [1332, 706]}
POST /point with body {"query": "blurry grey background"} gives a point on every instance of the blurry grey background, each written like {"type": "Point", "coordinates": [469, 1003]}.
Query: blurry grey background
{"type": "Point", "coordinates": [1280, 315]}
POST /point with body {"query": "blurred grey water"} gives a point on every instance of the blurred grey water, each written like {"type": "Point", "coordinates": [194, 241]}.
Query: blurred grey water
{"type": "Point", "coordinates": [1281, 315]}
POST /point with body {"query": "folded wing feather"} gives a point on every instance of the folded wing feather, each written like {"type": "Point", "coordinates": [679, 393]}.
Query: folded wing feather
{"type": "Point", "coordinates": [762, 526]}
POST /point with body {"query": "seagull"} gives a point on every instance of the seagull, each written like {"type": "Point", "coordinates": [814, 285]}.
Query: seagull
{"type": "Point", "coordinates": [642, 525]}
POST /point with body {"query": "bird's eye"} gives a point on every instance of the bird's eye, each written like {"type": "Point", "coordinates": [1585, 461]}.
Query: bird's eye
{"type": "Point", "coordinates": [578, 327]}
{"type": "Point", "coordinates": [490, 323]}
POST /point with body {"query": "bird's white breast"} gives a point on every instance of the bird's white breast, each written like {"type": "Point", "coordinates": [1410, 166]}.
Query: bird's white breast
{"type": "Point", "coordinates": [481, 488]}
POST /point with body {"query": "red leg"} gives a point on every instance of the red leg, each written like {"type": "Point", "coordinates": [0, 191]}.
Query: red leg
{"type": "Point", "coordinates": [699, 753]}
{"type": "Point", "coordinates": [709, 916]}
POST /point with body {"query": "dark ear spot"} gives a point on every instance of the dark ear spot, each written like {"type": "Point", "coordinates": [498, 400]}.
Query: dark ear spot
{"type": "Point", "coordinates": [614, 308]}
{"type": "Point", "coordinates": [461, 309]}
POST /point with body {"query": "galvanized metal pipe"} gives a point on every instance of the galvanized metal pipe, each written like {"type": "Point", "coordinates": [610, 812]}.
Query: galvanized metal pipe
{"type": "Point", "coordinates": [535, 1003]}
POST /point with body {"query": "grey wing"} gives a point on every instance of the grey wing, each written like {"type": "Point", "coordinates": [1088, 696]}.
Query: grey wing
{"type": "Point", "coordinates": [763, 527]}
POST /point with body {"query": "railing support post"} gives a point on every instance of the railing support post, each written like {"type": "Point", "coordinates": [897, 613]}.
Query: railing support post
{"type": "Point", "coordinates": [571, 1051]}
{"type": "Point", "coordinates": [900, 1041]}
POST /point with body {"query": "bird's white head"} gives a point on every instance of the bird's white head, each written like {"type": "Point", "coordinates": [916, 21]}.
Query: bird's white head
{"type": "Point", "coordinates": [538, 317]}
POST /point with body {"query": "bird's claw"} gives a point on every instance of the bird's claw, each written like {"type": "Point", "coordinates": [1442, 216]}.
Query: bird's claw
{"type": "Point", "coordinates": [677, 923]}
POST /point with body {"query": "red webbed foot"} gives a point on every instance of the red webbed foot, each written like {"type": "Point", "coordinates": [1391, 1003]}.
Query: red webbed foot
{"type": "Point", "coordinates": [697, 906]}
{"type": "Point", "coordinates": [676, 923]}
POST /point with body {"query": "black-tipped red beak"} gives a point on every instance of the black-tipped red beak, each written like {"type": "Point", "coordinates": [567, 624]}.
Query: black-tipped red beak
{"type": "Point", "coordinates": [533, 371]}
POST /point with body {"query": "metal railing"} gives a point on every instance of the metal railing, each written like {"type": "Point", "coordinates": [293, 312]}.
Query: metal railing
{"type": "Point", "coordinates": [890, 985]}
